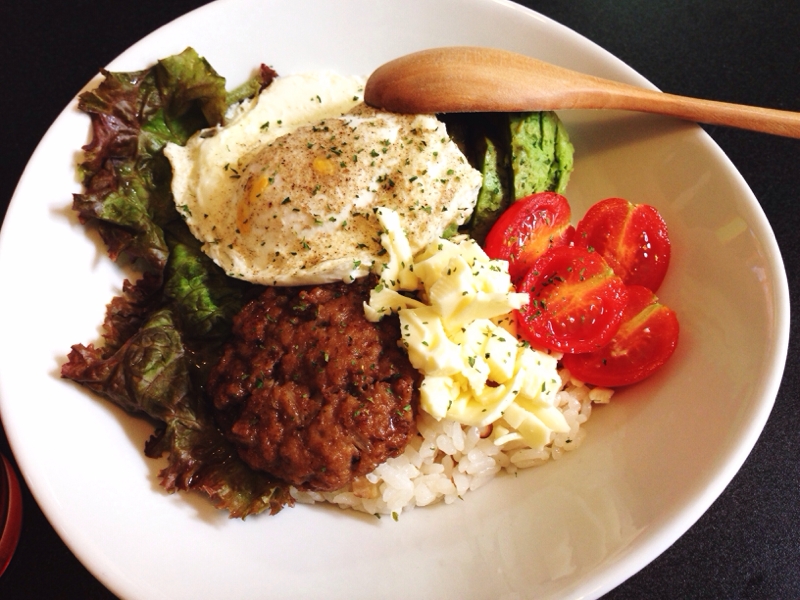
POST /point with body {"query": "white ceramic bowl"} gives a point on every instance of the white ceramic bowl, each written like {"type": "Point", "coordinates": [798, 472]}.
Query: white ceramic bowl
{"type": "Point", "coordinates": [652, 463]}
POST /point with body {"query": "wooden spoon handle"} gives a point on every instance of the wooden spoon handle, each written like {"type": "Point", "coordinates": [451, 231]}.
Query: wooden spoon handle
{"type": "Point", "coordinates": [602, 93]}
{"type": "Point", "coordinates": [471, 79]}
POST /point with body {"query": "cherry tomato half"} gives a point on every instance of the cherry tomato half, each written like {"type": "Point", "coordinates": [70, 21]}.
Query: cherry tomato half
{"type": "Point", "coordinates": [527, 228]}
{"type": "Point", "coordinates": [631, 237]}
{"type": "Point", "coordinates": [576, 301]}
{"type": "Point", "coordinates": [645, 340]}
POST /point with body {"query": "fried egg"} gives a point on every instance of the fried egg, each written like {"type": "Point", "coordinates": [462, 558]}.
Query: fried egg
{"type": "Point", "coordinates": [285, 193]}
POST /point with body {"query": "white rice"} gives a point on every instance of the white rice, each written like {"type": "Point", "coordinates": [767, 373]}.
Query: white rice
{"type": "Point", "coordinates": [446, 460]}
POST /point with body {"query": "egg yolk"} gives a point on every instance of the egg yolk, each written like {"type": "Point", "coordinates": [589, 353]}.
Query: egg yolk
{"type": "Point", "coordinates": [323, 166]}
{"type": "Point", "coordinates": [246, 206]}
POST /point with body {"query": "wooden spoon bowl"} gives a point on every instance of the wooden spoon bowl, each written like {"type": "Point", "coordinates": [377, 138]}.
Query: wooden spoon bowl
{"type": "Point", "coordinates": [474, 79]}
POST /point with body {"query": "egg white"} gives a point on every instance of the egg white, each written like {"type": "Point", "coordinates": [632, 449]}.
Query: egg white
{"type": "Point", "coordinates": [285, 192]}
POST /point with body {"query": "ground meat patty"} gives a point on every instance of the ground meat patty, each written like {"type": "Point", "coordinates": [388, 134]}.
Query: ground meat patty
{"type": "Point", "coordinates": [310, 391]}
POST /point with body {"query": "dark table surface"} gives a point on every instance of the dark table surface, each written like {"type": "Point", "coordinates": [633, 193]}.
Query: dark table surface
{"type": "Point", "coordinates": [748, 51]}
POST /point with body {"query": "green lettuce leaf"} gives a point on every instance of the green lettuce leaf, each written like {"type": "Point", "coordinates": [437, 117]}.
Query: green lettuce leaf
{"type": "Point", "coordinates": [200, 292]}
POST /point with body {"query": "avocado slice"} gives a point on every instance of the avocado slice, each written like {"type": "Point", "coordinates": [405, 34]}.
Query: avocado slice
{"type": "Point", "coordinates": [517, 153]}
{"type": "Point", "coordinates": [541, 153]}
{"type": "Point", "coordinates": [493, 197]}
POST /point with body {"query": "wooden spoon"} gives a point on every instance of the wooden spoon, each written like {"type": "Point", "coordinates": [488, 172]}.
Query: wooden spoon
{"type": "Point", "coordinates": [472, 79]}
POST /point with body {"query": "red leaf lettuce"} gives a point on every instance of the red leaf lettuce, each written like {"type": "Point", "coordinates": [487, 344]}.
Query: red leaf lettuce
{"type": "Point", "coordinates": [165, 331]}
